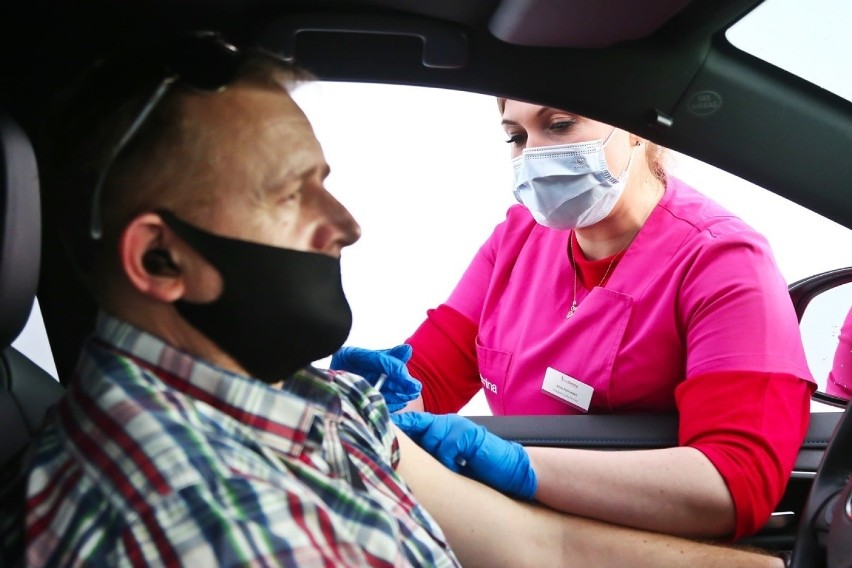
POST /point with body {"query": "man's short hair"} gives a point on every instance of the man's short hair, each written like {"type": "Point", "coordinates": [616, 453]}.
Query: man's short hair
{"type": "Point", "coordinates": [91, 117]}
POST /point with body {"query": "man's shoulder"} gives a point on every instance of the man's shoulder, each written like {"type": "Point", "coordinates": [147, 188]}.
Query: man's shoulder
{"type": "Point", "coordinates": [131, 436]}
{"type": "Point", "coordinates": [120, 450]}
{"type": "Point", "coordinates": [125, 439]}
{"type": "Point", "coordinates": [355, 392]}
{"type": "Point", "coordinates": [363, 407]}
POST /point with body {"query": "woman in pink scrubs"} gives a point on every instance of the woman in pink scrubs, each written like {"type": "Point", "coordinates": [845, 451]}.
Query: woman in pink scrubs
{"type": "Point", "coordinates": [615, 288]}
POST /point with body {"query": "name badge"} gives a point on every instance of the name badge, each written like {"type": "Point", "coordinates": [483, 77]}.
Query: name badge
{"type": "Point", "coordinates": [567, 389]}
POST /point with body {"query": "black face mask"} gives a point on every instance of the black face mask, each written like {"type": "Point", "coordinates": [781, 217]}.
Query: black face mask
{"type": "Point", "coordinates": [280, 309]}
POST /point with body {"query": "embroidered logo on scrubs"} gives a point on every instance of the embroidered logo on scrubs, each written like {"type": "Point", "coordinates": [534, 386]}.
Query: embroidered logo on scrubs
{"type": "Point", "coordinates": [488, 385]}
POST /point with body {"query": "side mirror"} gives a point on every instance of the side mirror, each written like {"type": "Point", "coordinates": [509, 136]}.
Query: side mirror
{"type": "Point", "coordinates": [823, 304]}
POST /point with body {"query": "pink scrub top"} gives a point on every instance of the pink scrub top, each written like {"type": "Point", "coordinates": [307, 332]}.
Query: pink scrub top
{"type": "Point", "coordinates": [698, 291]}
{"type": "Point", "coordinates": [840, 376]}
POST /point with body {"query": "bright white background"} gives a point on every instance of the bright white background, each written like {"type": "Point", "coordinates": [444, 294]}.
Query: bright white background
{"type": "Point", "coordinates": [427, 174]}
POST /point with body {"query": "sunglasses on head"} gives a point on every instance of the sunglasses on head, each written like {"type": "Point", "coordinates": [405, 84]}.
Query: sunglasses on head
{"type": "Point", "coordinates": [202, 61]}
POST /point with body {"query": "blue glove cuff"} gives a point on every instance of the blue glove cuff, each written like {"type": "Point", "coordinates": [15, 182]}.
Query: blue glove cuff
{"type": "Point", "coordinates": [528, 484]}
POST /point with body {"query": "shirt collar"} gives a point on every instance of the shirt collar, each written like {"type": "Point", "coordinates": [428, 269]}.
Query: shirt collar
{"type": "Point", "coordinates": [286, 418]}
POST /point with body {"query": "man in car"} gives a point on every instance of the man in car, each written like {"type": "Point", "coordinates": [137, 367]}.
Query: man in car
{"type": "Point", "coordinates": [194, 431]}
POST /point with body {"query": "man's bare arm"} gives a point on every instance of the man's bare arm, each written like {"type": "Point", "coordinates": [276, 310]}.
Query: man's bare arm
{"type": "Point", "coordinates": [486, 528]}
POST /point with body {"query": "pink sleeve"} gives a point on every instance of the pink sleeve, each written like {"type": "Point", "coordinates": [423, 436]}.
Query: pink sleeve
{"type": "Point", "coordinates": [444, 345]}
{"type": "Point", "coordinates": [737, 310]}
{"type": "Point", "coordinates": [750, 425]}
{"type": "Point", "coordinates": [501, 249]}
{"type": "Point", "coordinates": [840, 376]}
{"type": "Point", "coordinates": [468, 297]}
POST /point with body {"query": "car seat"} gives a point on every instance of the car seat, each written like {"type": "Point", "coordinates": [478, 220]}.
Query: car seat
{"type": "Point", "coordinates": [26, 391]}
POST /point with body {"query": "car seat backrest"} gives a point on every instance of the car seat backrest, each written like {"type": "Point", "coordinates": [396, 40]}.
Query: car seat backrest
{"type": "Point", "coordinates": [25, 390]}
{"type": "Point", "coordinates": [20, 229]}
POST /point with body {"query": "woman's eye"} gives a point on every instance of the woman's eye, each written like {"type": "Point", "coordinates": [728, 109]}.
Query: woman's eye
{"type": "Point", "coordinates": [516, 139]}
{"type": "Point", "coordinates": [562, 125]}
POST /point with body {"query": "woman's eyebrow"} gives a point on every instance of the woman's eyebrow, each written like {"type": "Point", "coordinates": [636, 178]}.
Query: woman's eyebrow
{"type": "Point", "coordinates": [539, 112]}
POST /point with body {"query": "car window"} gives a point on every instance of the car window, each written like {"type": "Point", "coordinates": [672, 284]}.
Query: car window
{"type": "Point", "coordinates": [427, 173]}
{"type": "Point", "coordinates": [33, 342]}
{"type": "Point", "coordinates": [804, 40]}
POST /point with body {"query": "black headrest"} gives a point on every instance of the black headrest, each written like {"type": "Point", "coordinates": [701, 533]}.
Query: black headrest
{"type": "Point", "coordinates": [20, 229]}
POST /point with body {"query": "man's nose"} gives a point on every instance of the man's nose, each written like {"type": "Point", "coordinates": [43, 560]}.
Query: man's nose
{"type": "Point", "coordinates": [349, 228]}
{"type": "Point", "coordinates": [339, 229]}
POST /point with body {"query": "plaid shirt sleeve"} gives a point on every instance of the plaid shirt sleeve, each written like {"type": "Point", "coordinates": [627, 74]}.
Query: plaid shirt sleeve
{"type": "Point", "coordinates": [237, 522]}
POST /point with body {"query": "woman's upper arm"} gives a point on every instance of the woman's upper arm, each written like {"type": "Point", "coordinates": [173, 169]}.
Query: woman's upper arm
{"type": "Point", "coordinates": [736, 310]}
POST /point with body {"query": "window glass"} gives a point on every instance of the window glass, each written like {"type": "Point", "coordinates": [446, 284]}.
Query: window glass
{"type": "Point", "coordinates": [32, 342]}
{"type": "Point", "coordinates": [427, 173]}
{"type": "Point", "coordinates": [809, 39]}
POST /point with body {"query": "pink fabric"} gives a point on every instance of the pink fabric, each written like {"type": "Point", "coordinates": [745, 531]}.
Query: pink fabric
{"type": "Point", "coordinates": [697, 292]}
{"type": "Point", "coordinates": [840, 376]}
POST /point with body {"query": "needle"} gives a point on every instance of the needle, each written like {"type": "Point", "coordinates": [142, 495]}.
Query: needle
{"type": "Point", "coordinates": [380, 381]}
{"type": "Point", "coordinates": [460, 461]}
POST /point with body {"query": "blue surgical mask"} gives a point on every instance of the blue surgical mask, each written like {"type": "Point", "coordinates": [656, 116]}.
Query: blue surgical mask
{"type": "Point", "coordinates": [568, 186]}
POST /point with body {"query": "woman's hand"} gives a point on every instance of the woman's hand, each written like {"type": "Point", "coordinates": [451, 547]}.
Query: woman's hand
{"type": "Point", "coordinates": [468, 448]}
{"type": "Point", "coordinates": [384, 369]}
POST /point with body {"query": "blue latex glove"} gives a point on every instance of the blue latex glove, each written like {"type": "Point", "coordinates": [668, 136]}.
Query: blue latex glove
{"type": "Point", "coordinates": [399, 387]}
{"type": "Point", "coordinates": [468, 448]}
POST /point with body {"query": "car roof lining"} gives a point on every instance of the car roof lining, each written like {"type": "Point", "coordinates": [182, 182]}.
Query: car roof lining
{"type": "Point", "coordinates": [681, 59]}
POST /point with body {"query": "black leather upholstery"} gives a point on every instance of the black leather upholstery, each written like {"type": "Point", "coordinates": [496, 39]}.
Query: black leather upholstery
{"type": "Point", "coordinates": [20, 230]}
{"type": "Point", "coordinates": [26, 391]}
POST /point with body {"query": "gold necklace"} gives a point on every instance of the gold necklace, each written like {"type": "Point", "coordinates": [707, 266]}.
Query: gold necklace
{"type": "Point", "coordinates": [606, 272]}
{"type": "Point", "coordinates": [611, 262]}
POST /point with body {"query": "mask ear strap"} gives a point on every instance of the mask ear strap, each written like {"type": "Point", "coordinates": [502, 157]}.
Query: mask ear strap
{"type": "Point", "coordinates": [629, 161]}
{"type": "Point", "coordinates": [606, 140]}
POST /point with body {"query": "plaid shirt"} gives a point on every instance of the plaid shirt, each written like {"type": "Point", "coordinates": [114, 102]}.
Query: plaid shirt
{"type": "Point", "coordinates": [157, 458]}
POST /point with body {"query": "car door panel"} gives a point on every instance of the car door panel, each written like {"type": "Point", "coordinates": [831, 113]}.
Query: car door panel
{"type": "Point", "coordinates": [615, 433]}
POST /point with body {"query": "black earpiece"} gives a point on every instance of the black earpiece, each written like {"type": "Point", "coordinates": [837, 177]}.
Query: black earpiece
{"type": "Point", "coordinates": [159, 262]}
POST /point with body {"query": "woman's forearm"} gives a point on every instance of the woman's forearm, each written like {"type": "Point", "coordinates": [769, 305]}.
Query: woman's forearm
{"type": "Point", "coordinates": [676, 491]}
{"type": "Point", "coordinates": [486, 528]}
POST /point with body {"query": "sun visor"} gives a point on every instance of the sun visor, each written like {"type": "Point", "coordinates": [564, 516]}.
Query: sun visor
{"type": "Point", "coordinates": [579, 23]}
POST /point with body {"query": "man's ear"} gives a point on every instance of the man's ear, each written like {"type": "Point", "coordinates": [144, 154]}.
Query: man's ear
{"type": "Point", "coordinates": [145, 254]}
